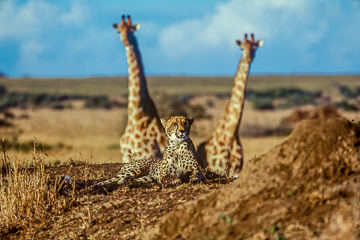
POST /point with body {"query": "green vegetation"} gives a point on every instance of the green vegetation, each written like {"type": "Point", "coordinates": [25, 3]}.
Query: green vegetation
{"type": "Point", "coordinates": [28, 146]}
{"type": "Point", "coordinates": [227, 219]}
{"type": "Point", "coordinates": [292, 192]}
{"type": "Point", "coordinates": [263, 104]}
{"type": "Point", "coordinates": [3, 90]}
{"type": "Point", "coordinates": [179, 105]}
{"type": "Point", "coordinates": [177, 85]}
{"type": "Point", "coordinates": [293, 91]}
{"type": "Point", "coordinates": [98, 102]}
{"type": "Point", "coordinates": [275, 230]}
{"type": "Point", "coordinates": [275, 93]}
{"type": "Point", "coordinates": [344, 104]}
{"type": "Point", "coordinates": [348, 92]}
{"type": "Point", "coordinates": [26, 100]}
{"type": "Point", "coordinates": [5, 119]}
{"type": "Point", "coordinates": [356, 124]}
{"type": "Point", "coordinates": [263, 100]}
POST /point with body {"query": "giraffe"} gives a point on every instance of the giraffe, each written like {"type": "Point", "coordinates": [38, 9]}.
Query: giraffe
{"type": "Point", "coordinates": [222, 153]}
{"type": "Point", "coordinates": [144, 135]}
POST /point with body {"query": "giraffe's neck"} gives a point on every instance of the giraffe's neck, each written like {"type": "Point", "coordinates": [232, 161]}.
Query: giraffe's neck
{"type": "Point", "coordinates": [230, 121]}
{"type": "Point", "coordinates": [138, 93]}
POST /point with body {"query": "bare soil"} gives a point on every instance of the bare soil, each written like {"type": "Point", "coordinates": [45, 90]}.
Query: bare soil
{"type": "Point", "coordinates": [305, 188]}
{"type": "Point", "coordinates": [115, 213]}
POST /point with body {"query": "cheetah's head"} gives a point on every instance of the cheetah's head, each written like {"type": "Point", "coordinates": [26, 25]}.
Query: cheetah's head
{"type": "Point", "coordinates": [177, 128]}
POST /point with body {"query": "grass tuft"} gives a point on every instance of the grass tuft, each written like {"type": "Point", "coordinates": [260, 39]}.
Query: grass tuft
{"type": "Point", "coordinates": [28, 196]}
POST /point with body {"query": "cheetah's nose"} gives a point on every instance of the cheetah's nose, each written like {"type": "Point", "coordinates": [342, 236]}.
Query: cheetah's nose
{"type": "Point", "coordinates": [182, 131]}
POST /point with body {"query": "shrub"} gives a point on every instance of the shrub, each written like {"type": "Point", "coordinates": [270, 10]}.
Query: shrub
{"type": "Point", "coordinates": [3, 90]}
{"type": "Point", "coordinates": [349, 93]}
{"type": "Point", "coordinates": [294, 97]}
{"type": "Point", "coordinates": [346, 106]}
{"type": "Point", "coordinates": [263, 104]}
{"type": "Point", "coordinates": [98, 102]}
{"type": "Point", "coordinates": [28, 146]}
{"type": "Point", "coordinates": [178, 105]}
{"type": "Point", "coordinates": [25, 100]}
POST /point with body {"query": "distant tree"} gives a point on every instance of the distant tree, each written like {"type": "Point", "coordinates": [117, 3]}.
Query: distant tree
{"type": "Point", "coordinates": [2, 90]}
{"type": "Point", "coordinates": [5, 115]}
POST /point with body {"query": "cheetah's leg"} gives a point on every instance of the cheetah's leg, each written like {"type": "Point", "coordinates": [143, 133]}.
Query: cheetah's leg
{"type": "Point", "coordinates": [193, 167]}
{"type": "Point", "coordinates": [123, 177]}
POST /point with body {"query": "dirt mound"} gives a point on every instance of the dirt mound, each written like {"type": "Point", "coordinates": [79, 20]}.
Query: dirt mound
{"type": "Point", "coordinates": [307, 187]}
{"type": "Point", "coordinates": [323, 112]}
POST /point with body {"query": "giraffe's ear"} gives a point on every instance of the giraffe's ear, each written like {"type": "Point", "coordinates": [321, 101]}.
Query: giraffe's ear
{"type": "Point", "coordinates": [191, 120]}
{"type": "Point", "coordinates": [259, 43]}
{"type": "Point", "coordinates": [163, 122]}
{"type": "Point", "coordinates": [116, 27]}
{"type": "Point", "coordinates": [135, 27]}
{"type": "Point", "coordinates": [238, 42]}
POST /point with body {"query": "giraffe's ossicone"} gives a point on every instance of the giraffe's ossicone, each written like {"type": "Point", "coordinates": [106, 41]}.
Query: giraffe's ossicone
{"type": "Point", "coordinates": [144, 137]}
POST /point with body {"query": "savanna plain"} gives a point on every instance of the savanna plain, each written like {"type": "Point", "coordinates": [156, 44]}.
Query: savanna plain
{"type": "Point", "coordinates": [300, 135]}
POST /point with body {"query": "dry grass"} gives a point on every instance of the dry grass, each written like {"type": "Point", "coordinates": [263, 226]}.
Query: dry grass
{"type": "Point", "coordinates": [95, 134]}
{"type": "Point", "coordinates": [92, 134]}
{"type": "Point", "coordinates": [27, 195]}
{"type": "Point", "coordinates": [115, 86]}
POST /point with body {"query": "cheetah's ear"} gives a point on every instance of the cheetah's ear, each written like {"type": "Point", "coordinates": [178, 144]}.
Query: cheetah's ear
{"type": "Point", "coordinates": [163, 122]}
{"type": "Point", "coordinates": [191, 120]}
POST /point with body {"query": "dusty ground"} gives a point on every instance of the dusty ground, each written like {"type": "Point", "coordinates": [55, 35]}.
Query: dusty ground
{"type": "Point", "coordinates": [305, 188]}
{"type": "Point", "coordinates": [120, 213]}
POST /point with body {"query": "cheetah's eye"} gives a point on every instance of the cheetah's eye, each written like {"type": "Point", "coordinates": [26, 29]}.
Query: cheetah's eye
{"type": "Point", "coordinates": [173, 126]}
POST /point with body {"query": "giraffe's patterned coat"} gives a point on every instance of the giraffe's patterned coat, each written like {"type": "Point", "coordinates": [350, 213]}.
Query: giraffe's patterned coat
{"type": "Point", "coordinates": [144, 136]}
{"type": "Point", "coordinates": [222, 153]}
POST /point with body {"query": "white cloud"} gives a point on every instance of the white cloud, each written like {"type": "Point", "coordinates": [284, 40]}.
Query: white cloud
{"type": "Point", "coordinates": [43, 29]}
{"type": "Point", "coordinates": [76, 37]}
{"type": "Point", "coordinates": [27, 20]}
{"type": "Point", "coordinates": [271, 20]}
{"type": "Point", "coordinates": [36, 17]}
{"type": "Point", "coordinates": [77, 15]}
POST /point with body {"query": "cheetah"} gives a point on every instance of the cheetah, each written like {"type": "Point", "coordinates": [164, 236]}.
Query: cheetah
{"type": "Point", "coordinates": [178, 162]}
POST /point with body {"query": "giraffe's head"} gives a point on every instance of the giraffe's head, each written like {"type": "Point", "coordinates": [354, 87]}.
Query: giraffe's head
{"type": "Point", "coordinates": [126, 30]}
{"type": "Point", "coordinates": [177, 128]}
{"type": "Point", "coordinates": [249, 47]}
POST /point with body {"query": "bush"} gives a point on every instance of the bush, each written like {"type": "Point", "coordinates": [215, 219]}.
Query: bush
{"type": "Point", "coordinates": [293, 96]}
{"type": "Point", "coordinates": [25, 100]}
{"type": "Point", "coordinates": [280, 93]}
{"type": "Point", "coordinates": [346, 106]}
{"type": "Point", "coordinates": [178, 105]}
{"type": "Point", "coordinates": [263, 104]}
{"type": "Point", "coordinates": [348, 93]}
{"type": "Point", "coordinates": [3, 90]}
{"type": "Point", "coordinates": [98, 102]}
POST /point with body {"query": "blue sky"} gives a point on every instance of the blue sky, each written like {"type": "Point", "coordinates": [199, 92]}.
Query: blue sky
{"type": "Point", "coordinates": [75, 38]}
